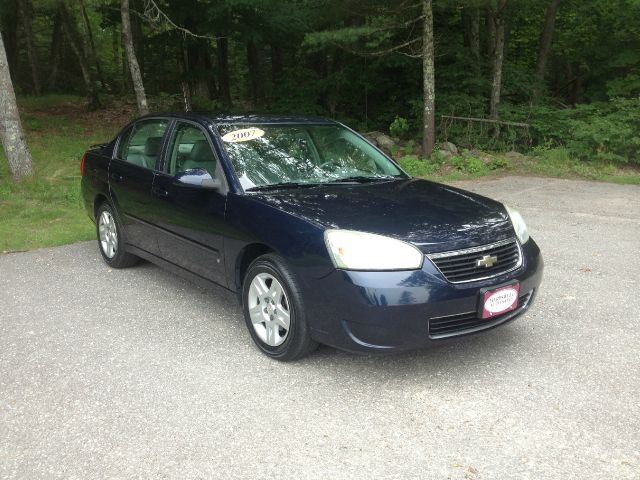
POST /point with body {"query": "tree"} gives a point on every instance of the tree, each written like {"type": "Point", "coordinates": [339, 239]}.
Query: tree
{"type": "Point", "coordinates": [395, 24]}
{"type": "Point", "coordinates": [25, 15]}
{"type": "Point", "coordinates": [55, 51]}
{"type": "Point", "coordinates": [545, 45]}
{"type": "Point", "coordinates": [428, 81]}
{"type": "Point", "coordinates": [498, 18]}
{"type": "Point", "coordinates": [472, 18]}
{"type": "Point", "coordinates": [224, 82]}
{"type": "Point", "coordinates": [91, 48]}
{"type": "Point", "coordinates": [70, 29]}
{"type": "Point", "coordinates": [136, 76]}
{"type": "Point", "coordinates": [11, 134]}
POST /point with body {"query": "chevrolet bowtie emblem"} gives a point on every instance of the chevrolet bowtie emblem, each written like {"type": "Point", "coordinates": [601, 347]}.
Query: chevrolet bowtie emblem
{"type": "Point", "coordinates": [487, 261]}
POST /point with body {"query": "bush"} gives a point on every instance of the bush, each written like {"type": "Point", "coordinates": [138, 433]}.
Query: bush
{"type": "Point", "coordinates": [605, 131]}
{"type": "Point", "coordinates": [609, 132]}
{"type": "Point", "coordinates": [468, 164]}
{"type": "Point", "coordinates": [499, 163]}
{"type": "Point", "coordinates": [399, 127]}
{"type": "Point", "coordinates": [417, 167]}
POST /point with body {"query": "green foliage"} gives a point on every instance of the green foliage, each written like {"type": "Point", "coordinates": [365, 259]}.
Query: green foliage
{"type": "Point", "coordinates": [604, 131]}
{"type": "Point", "coordinates": [409, 147]}
{"type": "Point", "coordinates": [417, 167]}
{"type": "Point", "coordinates": [399, 127]}
{"type": "Point", "coordinates": [359, 63]}
{"type": "Point", "coordinates": [499, 163]}
{"type": "Point", "coordinates": [468, 164]}
{"type": "Point", "coordinates": [609, 132]}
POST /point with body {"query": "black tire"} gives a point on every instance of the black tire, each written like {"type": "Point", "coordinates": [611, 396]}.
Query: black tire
{"type": "Point", "coordinates": [298, 343]}
{"type": "Point", "coordinates": [121, 258]}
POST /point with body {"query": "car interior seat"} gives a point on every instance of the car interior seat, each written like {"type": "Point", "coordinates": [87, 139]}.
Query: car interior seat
{"type": "Point", "coordinates": [201, 156]}
{"type": "Point", "coordinates": [151, 151]}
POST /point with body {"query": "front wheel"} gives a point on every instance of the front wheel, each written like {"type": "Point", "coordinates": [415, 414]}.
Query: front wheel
{"type": "Point", "coordinates": [110, 239]}
{"type": "Point", "coordinates": [274, 310]}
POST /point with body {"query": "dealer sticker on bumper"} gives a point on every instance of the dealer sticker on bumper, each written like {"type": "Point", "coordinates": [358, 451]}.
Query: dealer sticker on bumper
{"type": "Point", "coordinates": [500, 300]}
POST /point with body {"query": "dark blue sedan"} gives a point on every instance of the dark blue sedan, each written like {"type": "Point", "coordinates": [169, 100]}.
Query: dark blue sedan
{"type": "Point", "coordinates": [324, 238]}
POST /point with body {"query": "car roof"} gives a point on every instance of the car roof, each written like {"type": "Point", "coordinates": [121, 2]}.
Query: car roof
{"type": "Point", "coordinates": [244, 118]}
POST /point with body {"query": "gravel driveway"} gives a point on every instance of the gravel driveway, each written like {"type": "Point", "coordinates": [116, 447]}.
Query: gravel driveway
{"type": "Point", "coordinates": [138, 373]}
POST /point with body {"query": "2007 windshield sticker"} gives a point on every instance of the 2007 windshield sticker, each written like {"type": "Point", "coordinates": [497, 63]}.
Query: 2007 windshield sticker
{"type": "Point", "coordinates": [243, 135]}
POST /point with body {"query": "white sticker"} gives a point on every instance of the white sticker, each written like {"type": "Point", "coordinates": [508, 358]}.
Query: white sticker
{"type": "Point", "coordinates": [243, 135]}
{"type": "Point", "coordinates": [501, 300]}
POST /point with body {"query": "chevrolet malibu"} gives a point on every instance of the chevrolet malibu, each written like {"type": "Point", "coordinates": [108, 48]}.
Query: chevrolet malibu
{"type": "Point", "coordinates": [323, 237]}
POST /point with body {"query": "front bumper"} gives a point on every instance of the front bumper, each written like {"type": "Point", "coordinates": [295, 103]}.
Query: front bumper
{"type": "Point", "coordinates": [384, 311]}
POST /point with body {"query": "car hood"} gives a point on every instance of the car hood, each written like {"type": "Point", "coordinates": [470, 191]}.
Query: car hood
{"type": "Point", "coordinates": [432, 216]}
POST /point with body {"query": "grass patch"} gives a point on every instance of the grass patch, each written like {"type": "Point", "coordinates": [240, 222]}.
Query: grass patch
{"type": "Point", "coordinates": [46, 210]}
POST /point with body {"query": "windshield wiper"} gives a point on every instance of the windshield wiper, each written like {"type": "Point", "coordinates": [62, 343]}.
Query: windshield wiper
{"type": "Point", "coordinates": [283, 185]}
{"type": "Point", "coordinates": [362, 179]}
{"type": "Point", "coordinates": [291, 185]}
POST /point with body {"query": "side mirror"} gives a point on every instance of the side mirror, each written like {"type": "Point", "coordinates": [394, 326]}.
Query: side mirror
{"type": "Point", "coordinates": [198, 177]}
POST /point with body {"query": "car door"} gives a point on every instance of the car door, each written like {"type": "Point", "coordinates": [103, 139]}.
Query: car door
{"type": "Point", "coordinates": [131, 174]}
{"type": "Point", "coordinates": [191, 218]}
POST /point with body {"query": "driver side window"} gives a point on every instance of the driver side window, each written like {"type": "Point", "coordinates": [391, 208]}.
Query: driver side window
{"type": "Point", "coordinates": [190, 149]}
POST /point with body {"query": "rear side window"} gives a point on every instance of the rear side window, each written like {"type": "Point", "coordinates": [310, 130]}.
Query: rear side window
{"type": "Point", "coordinates": [141, 144]}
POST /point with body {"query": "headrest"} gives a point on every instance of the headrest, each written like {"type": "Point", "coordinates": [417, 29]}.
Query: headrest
{"type": "Point", "coordinates": [201, 152]}
{"type": "Point", "coordinates": [152, 146]}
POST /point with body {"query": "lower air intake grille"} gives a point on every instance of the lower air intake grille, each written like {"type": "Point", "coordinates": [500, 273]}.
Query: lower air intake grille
{"type": "Point", "coordinates": [462, 323]}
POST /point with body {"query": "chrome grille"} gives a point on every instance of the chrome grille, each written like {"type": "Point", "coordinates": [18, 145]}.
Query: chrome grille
{"type": "Point", "coordinates": [495, 259]}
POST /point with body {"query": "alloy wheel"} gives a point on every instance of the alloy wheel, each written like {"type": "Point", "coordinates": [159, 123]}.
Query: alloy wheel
{"type": "Point", "coordinates": [108, 234]}
{"type": "Point", "coordinates": [269, 309]}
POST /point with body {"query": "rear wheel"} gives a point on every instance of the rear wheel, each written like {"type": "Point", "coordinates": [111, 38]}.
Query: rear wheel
{"type": "Point", "coordinates": [274, 310]}
{"type": "Point", "coordinates": [110, 239]}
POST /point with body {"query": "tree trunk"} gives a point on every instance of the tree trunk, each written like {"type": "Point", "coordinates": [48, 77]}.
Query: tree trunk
{"type": "Point", "coordinates": [498, 57]}
{"type": "Point", "coordinates": [137, 35]}
{"type": "Point", "coordinates": [11, 134]}
{"type": "Point", "coordinates": [335, 63]}
{"type": "Point", "coordinates": [115, 47]}
{"type": "Point", "coordinates": [199, 69]}
{"type": "Point", "coordinates": [136, 77]}
{"type": "Point", "coordinates": [25, 15]}
{"type": "Point", "coordinates": [545, 45]}
{"type": "Point", "coordinates": [56, 50]}
{"type": "Point", "coordinates": [474, 34]}
{"type": "Point", "coordinates": [255, 73]}
{"type": "Point", "coordinates": [75, 41]}
{"type": "Point", "coordinates": [92, 46]}
{"type": "Point", "coordinates": [183, 61]}
{"type": "Point", "coordinates": [224, 91]}
{"type": "Point", "coordinates": [277, 63]}
{"type": "Point", "coordinates": [490, 40]}
{"type": "Point", "coordinates": [126, 77]}
{"type": "Point", "coordinates": [428, 81]}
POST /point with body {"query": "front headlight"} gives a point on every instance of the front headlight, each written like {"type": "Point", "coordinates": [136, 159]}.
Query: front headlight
{"type": "Point", "coordinates": [354, 250]}
{"type": "Point", "coordinates": [518, 224]}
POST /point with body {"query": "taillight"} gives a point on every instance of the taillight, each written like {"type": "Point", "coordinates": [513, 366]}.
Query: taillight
{"type": "Point", "coordinates": [84, 157]}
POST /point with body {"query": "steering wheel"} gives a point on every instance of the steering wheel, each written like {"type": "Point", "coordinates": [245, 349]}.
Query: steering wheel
{"type": "Point", "coordinates": [328, 163]}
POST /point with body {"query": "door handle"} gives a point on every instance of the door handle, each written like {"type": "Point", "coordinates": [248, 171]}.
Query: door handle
{"type": "Point", "coordinates": [160, 192]}
{"type": "Point", "coordinates": [116, 177]}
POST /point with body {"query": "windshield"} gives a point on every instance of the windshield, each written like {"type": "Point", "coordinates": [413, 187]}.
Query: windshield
{"type": "Point", "coordinates": [305, 154]}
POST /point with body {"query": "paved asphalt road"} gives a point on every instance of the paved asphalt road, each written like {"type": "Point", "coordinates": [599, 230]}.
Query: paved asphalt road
{"type": "Point", "coordinates": [140, 374]}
